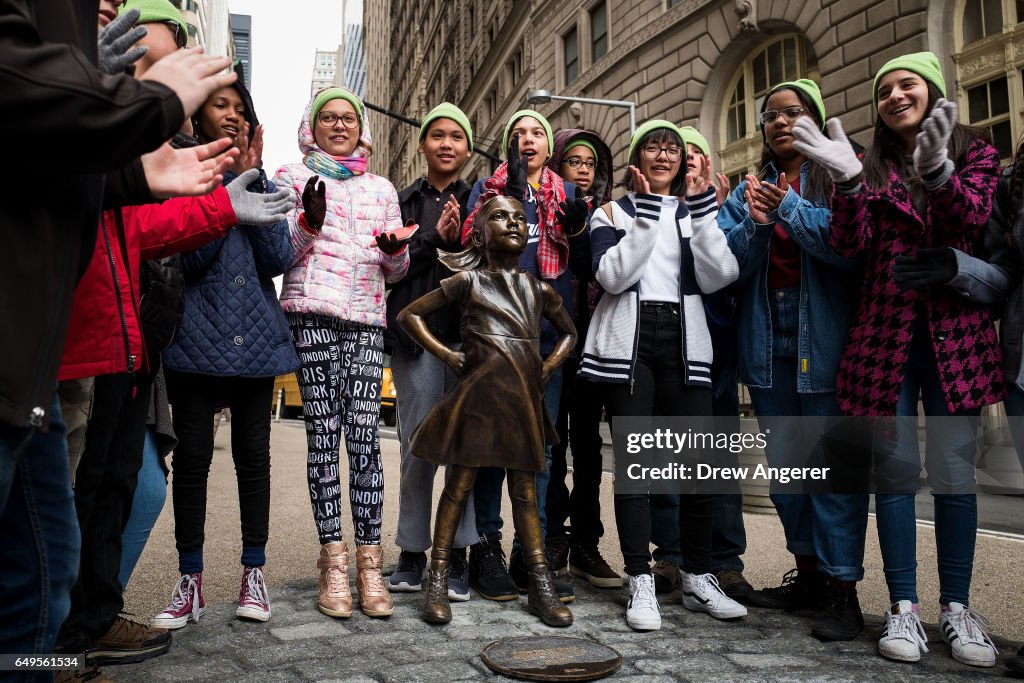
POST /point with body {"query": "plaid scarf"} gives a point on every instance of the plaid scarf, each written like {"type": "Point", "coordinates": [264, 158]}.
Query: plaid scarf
{"type": "Point", "coordinates": [553, 248]}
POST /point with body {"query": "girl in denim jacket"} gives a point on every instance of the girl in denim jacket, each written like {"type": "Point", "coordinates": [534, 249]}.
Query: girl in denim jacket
{"type": "Point", "coordinates": [796, 297]}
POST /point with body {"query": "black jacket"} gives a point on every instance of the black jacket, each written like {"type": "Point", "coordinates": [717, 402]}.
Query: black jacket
{"type": "Point", "coordinates": [65, 126]}
{"type": "Point", "coordinates": [424, 275]}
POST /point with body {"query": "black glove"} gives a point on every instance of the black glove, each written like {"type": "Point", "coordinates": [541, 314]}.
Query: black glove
{"type": "Point", "coordinates": [928, 267]}
{"type": "Point", "coordinates": [314, 203]}
{"type": "Point", "coordinates": [572, 215]}
{"type": "Point", "coordinates": [389, 244]}
{"type": "Point", "coordinates": [515, 184]}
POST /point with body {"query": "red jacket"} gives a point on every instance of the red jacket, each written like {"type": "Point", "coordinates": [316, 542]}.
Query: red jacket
{"type": "Point", "coordinates": [104, 336]}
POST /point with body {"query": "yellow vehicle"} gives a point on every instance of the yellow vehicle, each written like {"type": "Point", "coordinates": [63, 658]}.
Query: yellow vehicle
{"type": "Point", "coordinates": [286, 392]}
{"type": "Point", "coordinates": [388, 399]}
{"type": "Point", "coordinates": [287, 397]}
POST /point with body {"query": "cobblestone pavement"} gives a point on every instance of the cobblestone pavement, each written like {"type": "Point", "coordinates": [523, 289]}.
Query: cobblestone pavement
{"type": "Point", "coordinates": [301, 644]}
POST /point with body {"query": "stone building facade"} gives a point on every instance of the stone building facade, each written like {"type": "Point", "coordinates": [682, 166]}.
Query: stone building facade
{"type": "Point", "coordinates": [376, 48]}
{"type": "Point", "coordinates": [705, 63]}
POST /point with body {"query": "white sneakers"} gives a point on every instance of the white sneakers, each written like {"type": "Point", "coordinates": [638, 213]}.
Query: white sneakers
{"type": "Point", "coordinates": [903, 637]}
{"type": "Point", "coordinates": [642, 613]}
{"type": "Point", "coordinates": [701, 593]}
{"type": "Point", "coordinates": [965, 632]}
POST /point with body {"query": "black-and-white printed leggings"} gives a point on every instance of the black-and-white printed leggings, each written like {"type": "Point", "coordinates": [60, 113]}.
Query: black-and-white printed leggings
{"type": "Point", "coordinates": [340, 381]}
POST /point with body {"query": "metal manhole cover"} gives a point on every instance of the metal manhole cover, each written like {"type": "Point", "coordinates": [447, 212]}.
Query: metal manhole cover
{"type": "Point", "coordinates": [551, 658]}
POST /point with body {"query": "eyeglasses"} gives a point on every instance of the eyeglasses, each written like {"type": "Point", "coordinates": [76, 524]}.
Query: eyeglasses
{"type": "Point", "coordinates": [328, 119]}
{"type": "Point", "coordinates": [791, 114]}
{"type": "Point", "coordinates": [654, 151]}
{"type": "Point", "coordinates": [180, 37]}
{"type": "Point", "coordinates": [576, 162]}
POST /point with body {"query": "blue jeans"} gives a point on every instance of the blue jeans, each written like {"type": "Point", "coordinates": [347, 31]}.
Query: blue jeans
{"type": "Point", "coordinates": [830, 527]}
{"type": "Point", "coordinates": [487, 490]}
{"type": "Point", "coordinates": [1015, 411]}
{"type": "Point", "coordinates": [39, 536]}
{"type": "Point", "coordinates": [949, 458]}
{"type": "Point", "coordinates": [150, 494]}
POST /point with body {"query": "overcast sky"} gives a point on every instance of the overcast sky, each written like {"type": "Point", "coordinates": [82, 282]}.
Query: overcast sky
{"type": "Point", "coordinates": [285, 38]}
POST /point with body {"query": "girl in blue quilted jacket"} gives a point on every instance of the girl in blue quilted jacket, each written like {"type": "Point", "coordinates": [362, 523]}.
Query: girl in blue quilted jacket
{"type": "Point", "coordinates": [232, 343]}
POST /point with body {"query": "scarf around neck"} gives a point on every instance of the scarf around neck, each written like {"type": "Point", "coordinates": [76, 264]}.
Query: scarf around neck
{"type": "Point", "coordinates": [337, 168]}
{"type": "Point", "coordinates": [553, 247]}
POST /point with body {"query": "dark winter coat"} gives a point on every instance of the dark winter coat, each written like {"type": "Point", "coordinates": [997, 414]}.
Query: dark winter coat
{"type": "Point", "coordinates": [233, 324]}
{"type": "Point", "coordinates": [50, 94]}
{"type": "Point", "coordinates": [425, 270]}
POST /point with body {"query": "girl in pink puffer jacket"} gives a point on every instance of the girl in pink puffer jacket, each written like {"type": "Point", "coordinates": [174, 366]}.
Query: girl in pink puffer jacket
{"type": "Point", "coordinates": [333, 296]}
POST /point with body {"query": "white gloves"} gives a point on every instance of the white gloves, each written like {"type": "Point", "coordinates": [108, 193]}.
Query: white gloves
{"type": "Point", "coordinates": [256, 208]}
{"type": "Point", "coordinates": [930, 152]}
{"type": "Point", "coordinates": [835, 154]}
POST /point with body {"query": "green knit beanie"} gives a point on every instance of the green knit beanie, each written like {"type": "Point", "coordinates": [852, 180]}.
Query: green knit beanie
{"type": "Point", "coordinates": [924, 64]}
{"type": "Point", "coordinates": [692, 136]}
{"type": "Point", "coordinates": [647, 127]}
{"type": "Point", "coordinates": [520, 114]}
{"type": "Point", "coordinates": [810, 90]}
{"type": "Point", "coordinates": [328, 94]}
{"type": "Point", "coordinates": [447, 110]}
{"type": "Point", "coordinates": [580, 142]}
{"type": "Point", "coordinates": [155, 11]}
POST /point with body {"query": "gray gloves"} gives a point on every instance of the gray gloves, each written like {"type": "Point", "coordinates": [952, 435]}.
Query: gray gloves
{"type": "Point", "coordinates": [835, 154]}
{"type": "Point", "coordinates": [255, 208]}
{"type": "Point", "coordinates": [930, 152]}
{"type": "Point", "coordinates": [115, 52]}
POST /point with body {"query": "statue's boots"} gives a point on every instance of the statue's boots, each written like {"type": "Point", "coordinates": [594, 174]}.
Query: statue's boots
{"type": "Point", "coordinates": [435, 609]}
{"type": "Point", "coordinates": [544, 600]}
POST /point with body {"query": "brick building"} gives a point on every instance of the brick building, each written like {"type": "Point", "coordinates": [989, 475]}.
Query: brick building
{"type": "Point", "coordinates": [706, 63]}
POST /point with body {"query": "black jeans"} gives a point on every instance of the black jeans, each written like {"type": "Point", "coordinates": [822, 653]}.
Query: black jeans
{"type": "Point", "coordinates": [195, 398]}
{"type": "Point", "coordinates": [659, 388]}
{"type": "Point", "coordinates": [579, 422]}
{"type": "Point", "coordinates": [104, 490]}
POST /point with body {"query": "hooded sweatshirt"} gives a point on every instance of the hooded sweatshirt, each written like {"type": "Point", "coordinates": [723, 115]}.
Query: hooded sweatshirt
{"type": "Point", "coordinates": [601, 188]}
{"type": "Point", "coordinates": [341, 274]}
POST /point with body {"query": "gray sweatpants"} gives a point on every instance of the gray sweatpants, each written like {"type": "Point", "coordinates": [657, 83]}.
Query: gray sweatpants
{"type": "Point", "coordinates": [420, 382]}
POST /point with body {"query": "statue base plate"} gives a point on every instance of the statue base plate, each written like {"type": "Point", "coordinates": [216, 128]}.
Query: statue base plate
{"type": "Point", "coordinates": [551, 658]}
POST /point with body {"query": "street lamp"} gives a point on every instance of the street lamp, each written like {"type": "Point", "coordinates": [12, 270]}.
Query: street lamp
{"type": "Point", "coordinates": [545, 96]}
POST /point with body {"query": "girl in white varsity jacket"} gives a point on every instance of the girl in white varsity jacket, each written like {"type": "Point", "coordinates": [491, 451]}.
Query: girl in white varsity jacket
{"type": "Point", "coordinates": [655, 256]}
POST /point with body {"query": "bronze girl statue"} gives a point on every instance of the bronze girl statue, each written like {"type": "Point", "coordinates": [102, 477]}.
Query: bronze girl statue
{"type": "Point", "coordinates": [495, 416]}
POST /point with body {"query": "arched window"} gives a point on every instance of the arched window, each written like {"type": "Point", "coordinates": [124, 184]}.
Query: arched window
{"type": "Point", "coordinates": [784, 58]}
{"type": "Point", "coordinates": [989, 70]}
{"type": "Point", "coordinates": [980, 19]}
